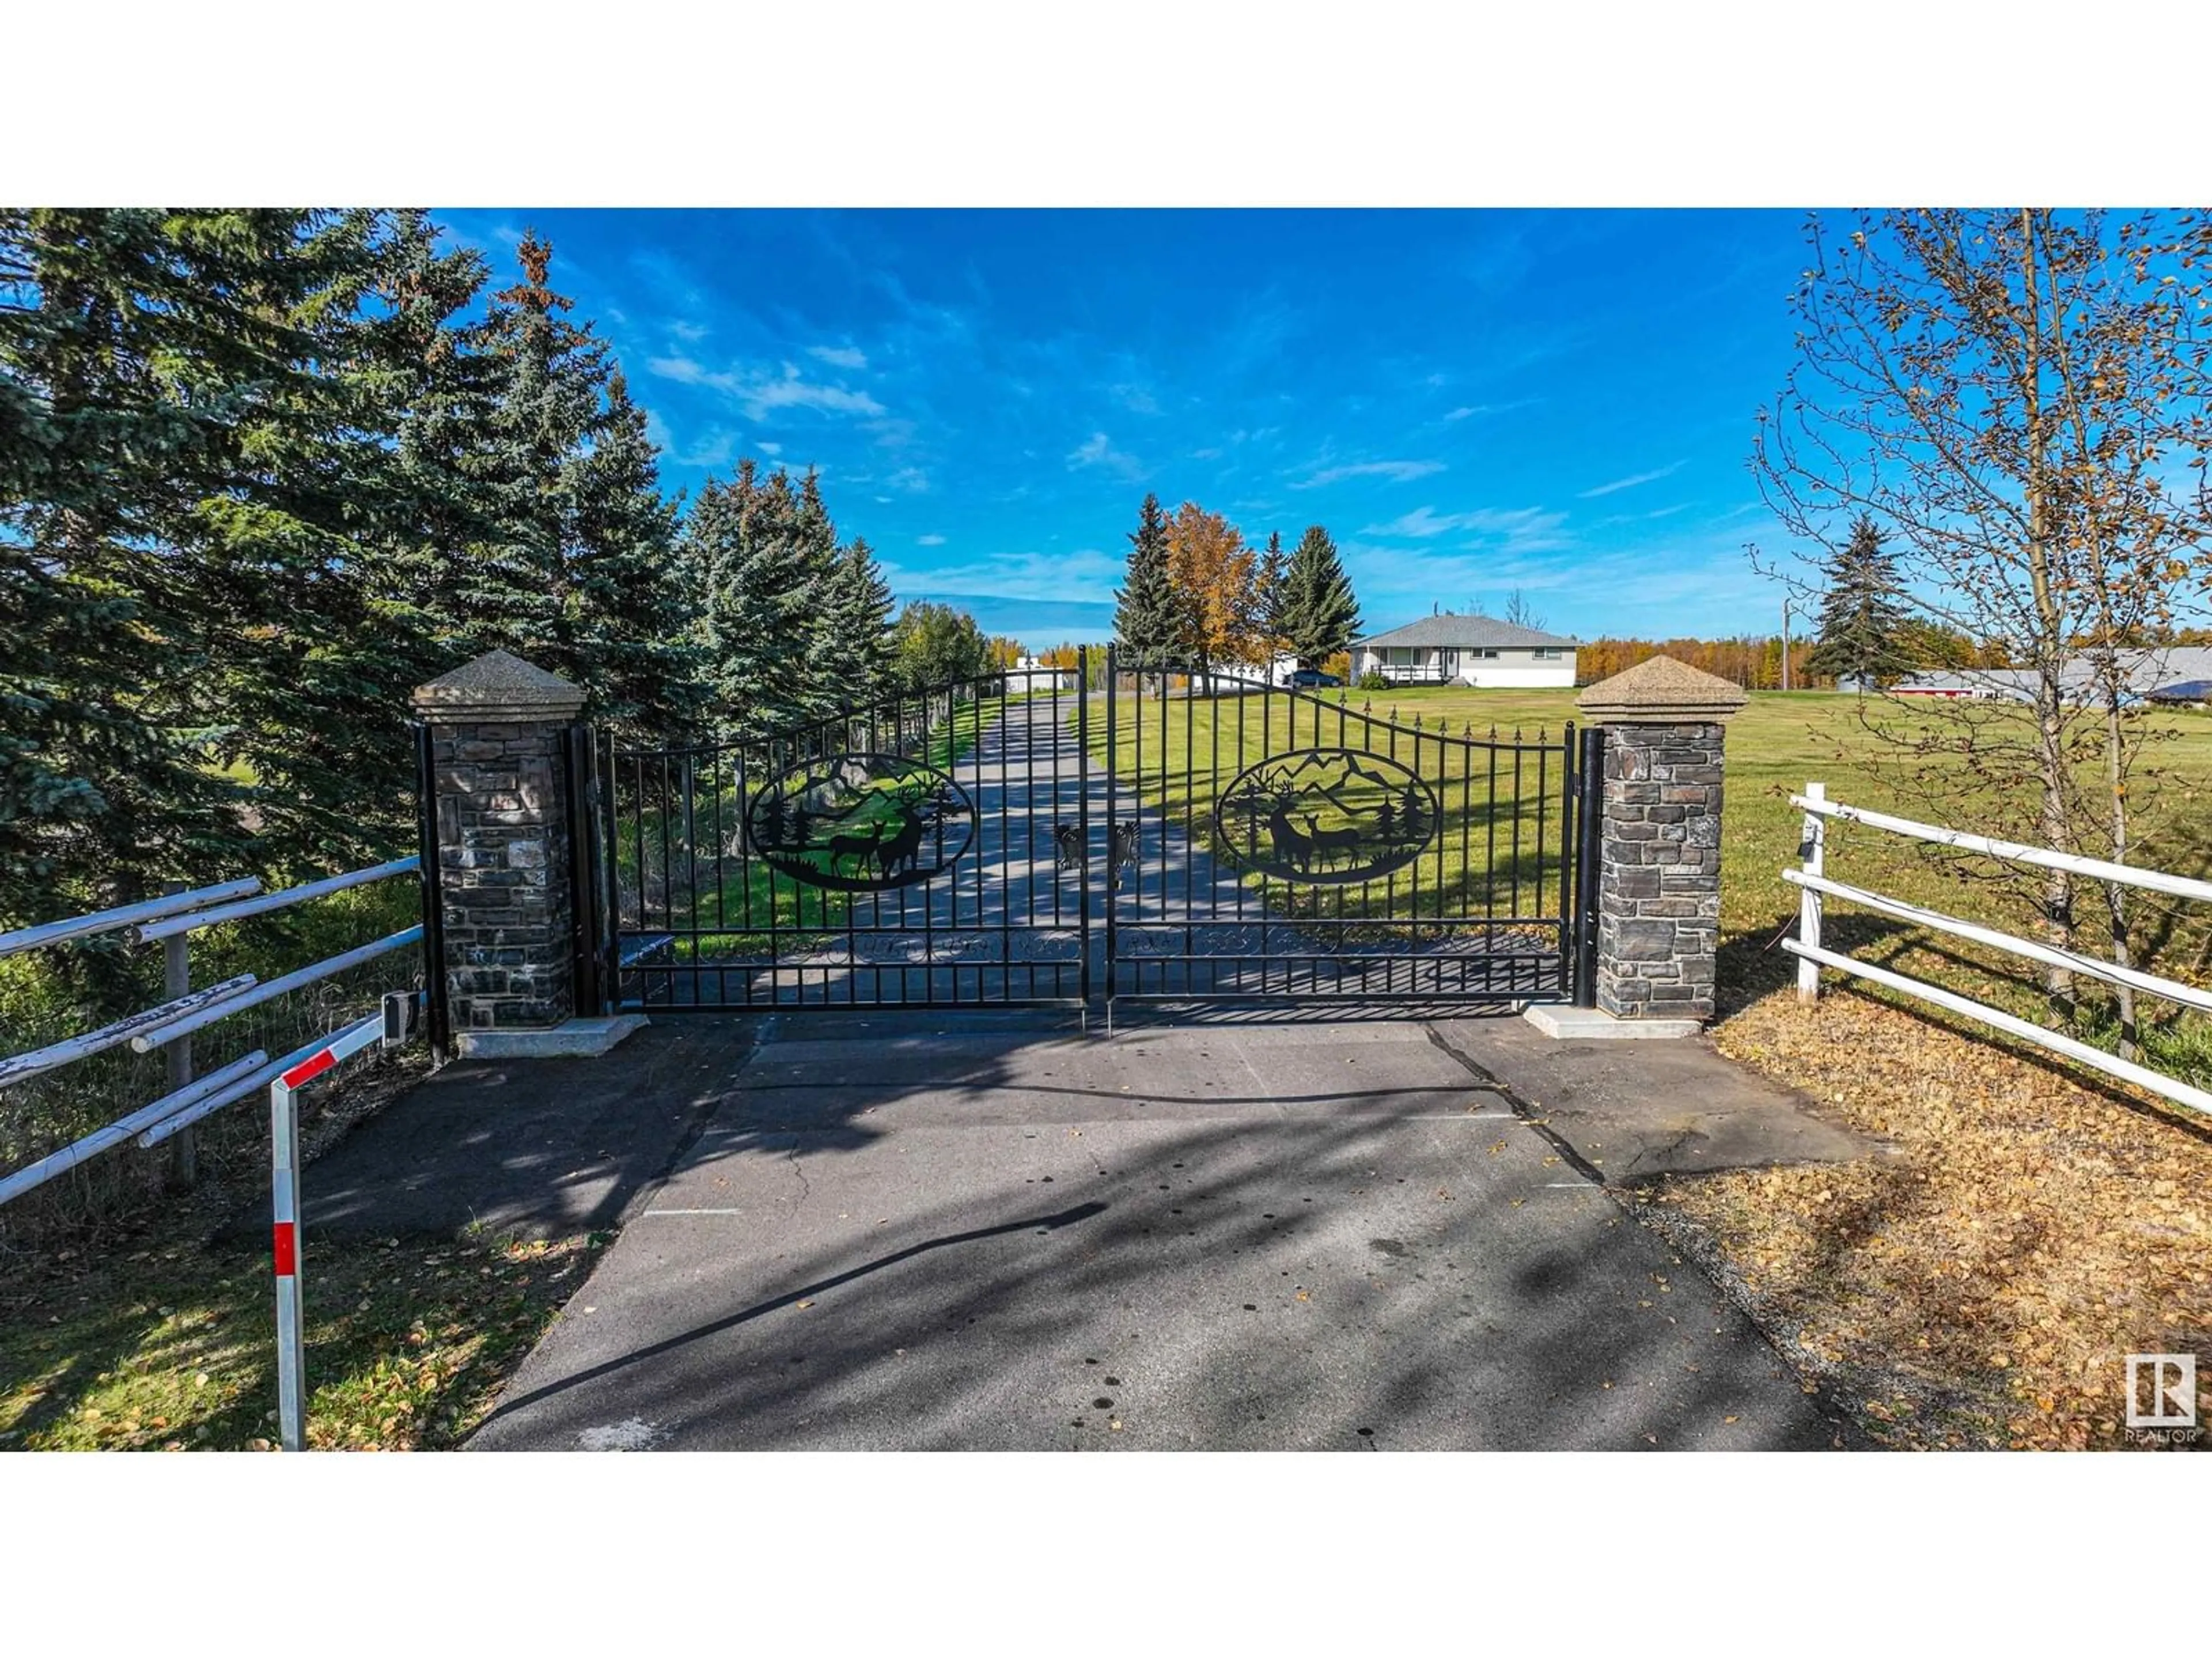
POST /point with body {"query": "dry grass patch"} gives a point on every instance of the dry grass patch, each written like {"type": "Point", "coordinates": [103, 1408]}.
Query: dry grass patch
{"type": "Point", "coordinates": [1981, 1288]}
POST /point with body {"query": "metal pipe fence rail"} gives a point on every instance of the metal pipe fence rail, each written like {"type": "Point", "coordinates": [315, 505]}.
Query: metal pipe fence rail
{"type": "Point", "coordinates": [170, 1025]}
{"type": "Point", "coordinates": [1815, 886]}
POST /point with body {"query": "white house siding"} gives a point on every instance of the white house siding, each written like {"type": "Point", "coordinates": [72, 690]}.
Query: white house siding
{"type": "Point", "coordinates": [1505, 668]}
{"type": "Point", "coordinates": [1527, 672]}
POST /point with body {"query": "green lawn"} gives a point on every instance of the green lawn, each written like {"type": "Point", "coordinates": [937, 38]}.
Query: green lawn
{"type": "Point", "coordinates": [1778, 744]}
{"type": "Point", "coordinates": [171, 1346]}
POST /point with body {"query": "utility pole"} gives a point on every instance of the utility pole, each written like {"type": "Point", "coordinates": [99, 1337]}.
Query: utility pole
{"type": "Point", "coordinates": [1785, 645]}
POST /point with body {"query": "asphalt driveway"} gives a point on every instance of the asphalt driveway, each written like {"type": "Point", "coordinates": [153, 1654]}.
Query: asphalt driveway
{"type": "Point", "coordinates": [971, 1231]}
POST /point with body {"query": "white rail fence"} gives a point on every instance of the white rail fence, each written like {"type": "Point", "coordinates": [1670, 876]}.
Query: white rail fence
{"type": "Point", "coordinates": [169, 1027]}
{"type": "Point", "coordinates": [1816, 887]}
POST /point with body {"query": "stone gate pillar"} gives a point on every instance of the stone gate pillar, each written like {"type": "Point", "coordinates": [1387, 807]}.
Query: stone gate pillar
{"type": "Point", "coordinates": [1658, 896]}
{"type": "Point", "coordinates": [499, 774]}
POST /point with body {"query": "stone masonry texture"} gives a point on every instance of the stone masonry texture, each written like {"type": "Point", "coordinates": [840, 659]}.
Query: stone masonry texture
{"type": "Point", "coordinates": [1659, 882]}
{"type": "Point", "coordinates": [503, 869]}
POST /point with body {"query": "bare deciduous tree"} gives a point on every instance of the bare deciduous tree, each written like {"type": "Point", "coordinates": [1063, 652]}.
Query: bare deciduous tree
{"type": "Point", "coordinates": [1523, 614]}
{"type": "Point", "coordinates": [2017, 397]}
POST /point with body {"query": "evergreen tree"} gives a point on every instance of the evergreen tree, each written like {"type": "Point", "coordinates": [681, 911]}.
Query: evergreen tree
{"type": "Point", "coordinates": [1319, 615]}
{"type": "Point", "coordinates": [566, 559]}
{"type": "Point", "coordinates": [743, 548]}
{"type": "Point", "coordinates": [821, 669]}
{"type": "Point", "coordinates": [547, 372]}
{"type": "Point", "coordinates": [85, 437]}
{"type": "Point", "coordinates": [449, 488]}
{"type": "Point", "coordinates": [857, 615]}
{"type": "Point", "coordinates": [626, 622]}
{"type": "Point", "coordinates": [1268, 595]}
{"type": "Point", "coordinates": [1863, 629]}
{"type": "Point", "coordinates": [260, 475]}
{"type": "Point", "coordinates": [310, 667]}
{"type": "Point", "coordinates": [191, 450]}
{"type": "Point", "coordinates": [1148, 611]}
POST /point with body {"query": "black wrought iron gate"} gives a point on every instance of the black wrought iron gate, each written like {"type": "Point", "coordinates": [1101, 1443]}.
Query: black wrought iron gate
{"type": "Point", "coordinates": [1060, 836]}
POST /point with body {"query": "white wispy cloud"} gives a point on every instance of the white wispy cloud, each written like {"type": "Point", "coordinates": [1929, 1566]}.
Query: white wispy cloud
{"type": "Point", "coordinates": [1097, 450]}
{"type": "Point", "coordinates": [912, 479]}
{"type": "Point", "coordinates": [1631, 482]}
{"type": "Point", "coordinates": [929, 541]}
{"type": "Point", "coordinates": [1084, 573]}
{"type": "Point", "coordinates": [716, 446]}
{"type": "Point", "coordinates": [1137, 399]}
{"type": "Point", "coordinates": [1467, 411]}
{"type": "Point", "coordinates": [1512, 530]}
{"type": "Point", "coordinates": [1395, 471]}
{"type": "Point", "coordinates": [761, 392]}
{"type": "Point", "coordinates": [690, 333]}
{"type": "Point", "coordinates": [840, 357]}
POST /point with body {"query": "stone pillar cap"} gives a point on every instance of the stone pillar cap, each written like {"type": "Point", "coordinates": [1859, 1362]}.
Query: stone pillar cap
{"type": "Point", "coordinates": [497, 688]}
{"type": "Point", "coordinates": [1660, 691]}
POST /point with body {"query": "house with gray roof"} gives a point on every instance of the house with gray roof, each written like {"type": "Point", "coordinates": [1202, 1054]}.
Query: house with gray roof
{"type": "Point", "coordinates": [1452, 649]}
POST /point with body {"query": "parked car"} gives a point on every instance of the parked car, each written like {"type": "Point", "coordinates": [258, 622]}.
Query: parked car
{"type": "Point", "coordinates": [1312, 676]}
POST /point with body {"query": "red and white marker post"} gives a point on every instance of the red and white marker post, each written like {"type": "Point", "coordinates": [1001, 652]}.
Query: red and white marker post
{"type": "Point", "coordinates": [284, 1189]}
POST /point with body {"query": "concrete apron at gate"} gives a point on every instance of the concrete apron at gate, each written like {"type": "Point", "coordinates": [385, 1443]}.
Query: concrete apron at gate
{"type": "Point", "coordinates": [977, 1231]}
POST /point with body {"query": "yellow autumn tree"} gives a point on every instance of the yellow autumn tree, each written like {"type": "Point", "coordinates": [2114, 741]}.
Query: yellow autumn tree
{"type": "Point", "coordinates": [1215, 575]}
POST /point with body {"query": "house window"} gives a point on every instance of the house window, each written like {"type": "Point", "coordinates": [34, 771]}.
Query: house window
{"type": "Point", "coordinates": [1488, 653]}
{"type": "Point", "coordinates": [1547, 654]}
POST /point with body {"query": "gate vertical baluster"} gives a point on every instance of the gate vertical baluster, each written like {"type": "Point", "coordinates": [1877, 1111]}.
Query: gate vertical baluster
{"type": "Point", "coordinates": [668, 879]}
{"type": "Point", "coordinates": [1005, 849]}
{"type": "Point", "coordinates": [853, 908]}
{"type": "Point", "coordinates": [976, 772]}
{"type": "Point", "coordinates": [1167, 781]}
{"type": "Point", "coordinates": [1113, 788]}
{"type": "Point", "coordinates": [1566, 861]}
{"type": "Point", "coordinates": [1266, 898]}
{"type": "Point", "coordinates": [1367, 885]}
{"type": "Point", "coordinates": [637, 852]}
{"type": "Point", "coordinates": [1465, 902]}
{"type": "Point", "coordinates": [1190, 820]}
{"type": "Point", "coordinates": [1059, 740]}
{"type": "Point", "coordinates": [875, 895]}
{"type": "Point", "coordinates": [1490, 861]}
{"type": "Point", "coordinates": [929, 889]}
{"type": "Point", "coordinates": [741, 784]}
{"type": "Point", "coordinates": [1543, 804]}
{"type": "Point", "coordinates": [1082, 817]}
{"type": "Point", "coordinates": [769, 754]}
{"type": "Point", "coordinates": [720, 877]}
{"type": "Point", "coordinates": [1243, 882]}
{"type": "Point", "coordinates": [1515, 902]}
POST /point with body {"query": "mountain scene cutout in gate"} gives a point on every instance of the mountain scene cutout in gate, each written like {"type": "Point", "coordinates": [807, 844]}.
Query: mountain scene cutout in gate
{"type": "Point", "coordinates": [861, 823]}
{"type": "Point", "coordinates": [1328, 816]}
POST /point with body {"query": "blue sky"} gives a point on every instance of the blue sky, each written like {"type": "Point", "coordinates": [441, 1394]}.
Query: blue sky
{"type": "Point", "coordinates": [1470, 401]}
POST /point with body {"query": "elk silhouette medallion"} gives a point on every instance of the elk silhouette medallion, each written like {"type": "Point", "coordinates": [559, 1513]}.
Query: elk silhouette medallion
{"type": "Point", "coordinates": [1332, 817]}
{"type": "Point", "coordinates": [862, 823]}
